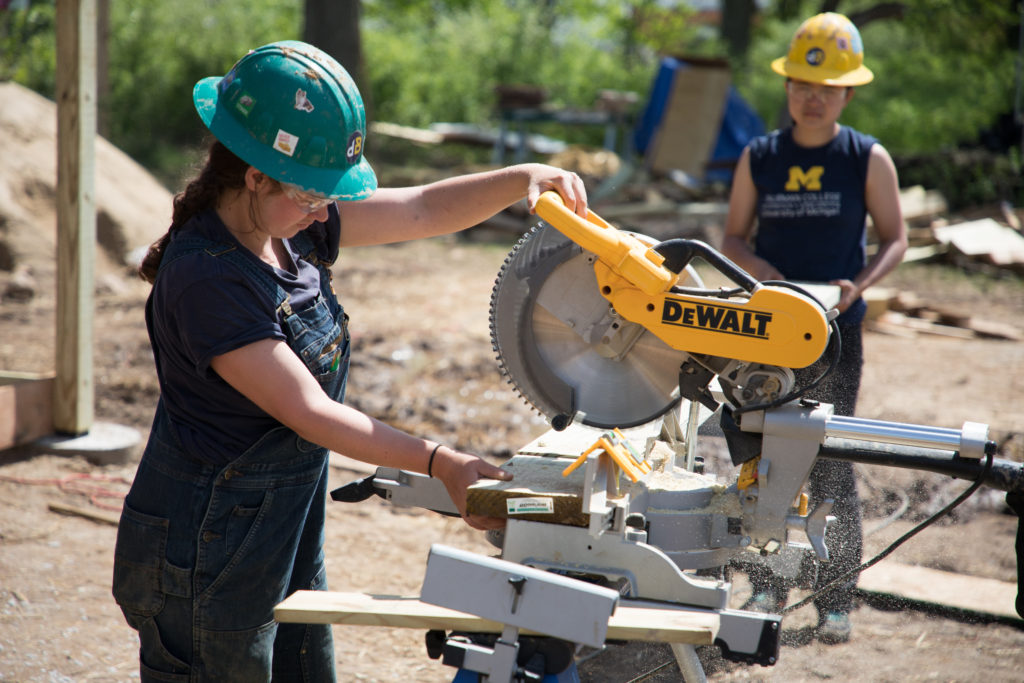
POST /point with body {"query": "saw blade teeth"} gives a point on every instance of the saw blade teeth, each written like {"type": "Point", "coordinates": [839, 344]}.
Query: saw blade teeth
{"type": "Point", "coordinates": [494, 315]}
{"type": "Point", "coordinates": [544, 304]}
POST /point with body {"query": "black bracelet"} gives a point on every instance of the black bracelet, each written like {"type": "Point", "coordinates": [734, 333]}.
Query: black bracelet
{"type": "Point", "coordinates": [430, 463]}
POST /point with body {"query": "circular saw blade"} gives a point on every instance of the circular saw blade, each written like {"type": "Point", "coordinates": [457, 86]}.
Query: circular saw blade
{"type": "Point", "coordinates": [550, 330]}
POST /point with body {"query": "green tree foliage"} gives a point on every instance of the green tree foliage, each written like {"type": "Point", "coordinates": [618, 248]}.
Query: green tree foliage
{"type": "Point", "coordinates": [160, 49]}
{"type": "Point", "coordinates": [157, 51]}
{"type": "Point", "coordinates": [426, 65]}
{"type": "Point", "coordinates": [942, 73]}
{"type": "Point", "coordinates": [27, 51]}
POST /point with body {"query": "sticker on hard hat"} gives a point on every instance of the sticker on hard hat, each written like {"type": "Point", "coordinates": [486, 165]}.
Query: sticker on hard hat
{"type": "Point", "coordinates": [815, 56]}
{"type": "Point", "coordinates": [245, 104]}
{"type": "Point", "coordinates": [228, 79]}
{"type": "Point", "coordinates": [302, 102]}
{"type": "Point", "coordinates": [286, 142]}
{"type": "Point", "coordinates": [355, 147]}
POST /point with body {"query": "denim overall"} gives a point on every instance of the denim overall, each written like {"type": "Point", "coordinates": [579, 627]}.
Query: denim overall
{"type": "Point", "coordinates": [204, 553]}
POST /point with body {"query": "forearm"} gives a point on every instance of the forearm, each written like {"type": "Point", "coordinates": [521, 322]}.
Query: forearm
{"type": "Point", "coordinates": [442, 207]}
{"type": "Point", "coordinates": [886, 259]}
{"type": "Point", "coordinates": [286, 391]}
{"type": "Point", "coordinates": [356, 435]}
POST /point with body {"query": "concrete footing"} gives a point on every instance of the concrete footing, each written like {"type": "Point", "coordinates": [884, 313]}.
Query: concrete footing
{"type": "Point", "coordinates": [104, 444]}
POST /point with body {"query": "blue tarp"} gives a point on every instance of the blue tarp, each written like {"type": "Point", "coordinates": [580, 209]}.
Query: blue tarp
{"type": "Point", "coordinates": [740, 123]}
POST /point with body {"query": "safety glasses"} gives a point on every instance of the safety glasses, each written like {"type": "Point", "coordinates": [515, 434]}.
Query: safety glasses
{"type": "Point", "coordinates": [308, 202]}
{"type": "Point", "coordinates": [801, 90]}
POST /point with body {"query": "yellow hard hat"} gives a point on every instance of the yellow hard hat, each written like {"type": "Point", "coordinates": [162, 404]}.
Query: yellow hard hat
{"type": "Point", "coordinates": [826, 49]}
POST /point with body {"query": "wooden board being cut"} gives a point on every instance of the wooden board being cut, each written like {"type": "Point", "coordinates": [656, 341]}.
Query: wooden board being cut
{"type": "Point", "coordinates": [538, 492]}
{"type": "Point", "coordinates": [633, 620]}
{"type": "Point", "coordinates": [946, 589]}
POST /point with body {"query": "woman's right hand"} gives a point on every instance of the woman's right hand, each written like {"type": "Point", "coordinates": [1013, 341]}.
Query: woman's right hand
{"type": "Point", "coordinates": [458, 471]}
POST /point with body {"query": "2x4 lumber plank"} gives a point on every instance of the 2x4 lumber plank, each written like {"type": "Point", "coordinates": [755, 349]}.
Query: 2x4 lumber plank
{"type": "Point", "coordinates": [633, 620]}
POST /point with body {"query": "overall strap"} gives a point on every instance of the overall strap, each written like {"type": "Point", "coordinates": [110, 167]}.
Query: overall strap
{"type": "Point", "coordinates": [307, 251]}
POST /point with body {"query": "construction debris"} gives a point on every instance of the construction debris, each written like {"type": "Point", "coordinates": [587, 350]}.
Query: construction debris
{"type": "Point", "coordinates": [904, 314]}
{"type": "Point", "coordinates": [985, 239]}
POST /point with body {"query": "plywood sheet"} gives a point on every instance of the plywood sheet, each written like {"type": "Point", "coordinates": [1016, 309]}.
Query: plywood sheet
{"type": "Point", "coordinates": [693, 116]}
{"type": "Point", "coordinates": [984, 237]}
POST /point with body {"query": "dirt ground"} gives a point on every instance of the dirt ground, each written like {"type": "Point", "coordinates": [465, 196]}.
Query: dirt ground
{"type": "Point", "coordinates": [423, 361]}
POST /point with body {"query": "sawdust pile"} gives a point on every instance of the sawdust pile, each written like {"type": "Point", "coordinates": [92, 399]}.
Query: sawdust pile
{"type": "Point", "coordinates": [132, 207]}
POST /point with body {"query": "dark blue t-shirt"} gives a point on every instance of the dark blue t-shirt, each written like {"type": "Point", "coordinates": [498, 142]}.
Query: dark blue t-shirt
{"type": "Point", "coordinates": [201, 307]}
{"type": "Point", "coordinates": [811, 207]}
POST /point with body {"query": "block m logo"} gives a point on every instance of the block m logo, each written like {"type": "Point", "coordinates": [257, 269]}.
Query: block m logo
{"type": "Point", "coordinates": [809, 180]}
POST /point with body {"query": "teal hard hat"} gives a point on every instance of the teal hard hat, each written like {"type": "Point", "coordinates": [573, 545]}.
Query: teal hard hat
{"type": "Point", "coordinates": [291, 111]}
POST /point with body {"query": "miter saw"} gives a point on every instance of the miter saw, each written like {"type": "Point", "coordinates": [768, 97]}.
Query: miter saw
{"type": "Point", "coordinates": [617, 341]}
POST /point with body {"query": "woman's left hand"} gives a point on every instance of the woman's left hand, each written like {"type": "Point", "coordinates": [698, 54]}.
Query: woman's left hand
{"type": "Point", "coordinates": [848, 293]}
{"type": "Point", "coordinates": [458, 471]}
{"type": "Point", "coordinates": [565, 183]}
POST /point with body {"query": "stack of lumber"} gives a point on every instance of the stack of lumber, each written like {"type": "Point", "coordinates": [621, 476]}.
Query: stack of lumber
{"type": "Point", "coordinates": [905, 314]}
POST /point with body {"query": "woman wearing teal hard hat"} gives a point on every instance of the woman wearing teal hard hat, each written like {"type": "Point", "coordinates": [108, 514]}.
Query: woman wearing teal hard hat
{"type": "Point", "coordinates": [225, 517]}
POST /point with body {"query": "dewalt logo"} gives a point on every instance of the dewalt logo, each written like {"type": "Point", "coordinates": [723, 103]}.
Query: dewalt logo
{"type": "Point", "coordinates": [808, 180]}
{"type": "Point", "coordinates": [725, 319]}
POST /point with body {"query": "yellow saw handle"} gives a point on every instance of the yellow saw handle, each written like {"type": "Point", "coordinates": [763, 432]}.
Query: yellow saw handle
{"type": "Point", "coordinates": [774, 325]}
{"type": "Point", "coordinates": [625, 254]}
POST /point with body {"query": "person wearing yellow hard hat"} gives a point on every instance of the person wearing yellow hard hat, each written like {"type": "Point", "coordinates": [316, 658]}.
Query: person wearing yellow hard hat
{"type": "Point", "coordinates": [225, 517]}
{"type": "Point", "coordinates": [798, 211]}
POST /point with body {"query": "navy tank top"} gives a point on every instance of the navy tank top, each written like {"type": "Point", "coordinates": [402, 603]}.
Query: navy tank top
{"type": "Point", "coordinates": [811, 207]}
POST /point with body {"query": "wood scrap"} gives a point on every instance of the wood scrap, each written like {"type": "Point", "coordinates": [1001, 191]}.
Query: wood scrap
{"type": "Point", "coordinates": [984, 238]}
{"type": "Point", "coordinates": [991, 329]}
{"type": "Point", "coordinates": [879, 300]}
{"type": "Point", "coordinates": [26, 408]}
{"type": "Point", "coordinates": [906, 314]}
{"type": "Point", "coordinates": [918, 203]}
{"type": "Point", "coordinates": [394, 130]}
{"type": "Point", "coordinates": [101, 516]}
{"type": "Point", "coordinates": [924, 253]}
{"type": "Point", "coordinates": [896, 319]}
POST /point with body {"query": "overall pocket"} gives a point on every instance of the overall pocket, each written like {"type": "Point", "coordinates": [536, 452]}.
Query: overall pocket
{"type": "Point", "coordinates": [139, 558]}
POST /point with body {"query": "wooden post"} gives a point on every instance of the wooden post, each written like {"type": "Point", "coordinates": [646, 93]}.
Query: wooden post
{"type": "Point", "coordinates": [76, 214]}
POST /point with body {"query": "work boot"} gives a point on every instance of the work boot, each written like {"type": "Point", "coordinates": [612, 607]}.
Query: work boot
{"type": "Point", "coordinates": [834, 628]}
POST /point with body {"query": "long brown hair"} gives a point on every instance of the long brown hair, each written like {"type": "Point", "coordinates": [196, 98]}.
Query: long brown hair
{"type": "Point", "coordinates": [222, 172]}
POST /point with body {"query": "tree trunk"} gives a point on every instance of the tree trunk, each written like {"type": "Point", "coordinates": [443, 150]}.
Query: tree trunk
{"type": "Point", "coordinates": [333, 26]}
{"type": "Point", "coordinates": [737, 17]}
